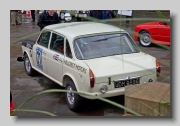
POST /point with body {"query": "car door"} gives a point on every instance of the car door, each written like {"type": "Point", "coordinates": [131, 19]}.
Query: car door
{"type": "Point", "coordinates": [55, 57]}
{"type": "Point", "coordinates": [164, 32]}
{"type": "Point", "coordinates": [39, 51]}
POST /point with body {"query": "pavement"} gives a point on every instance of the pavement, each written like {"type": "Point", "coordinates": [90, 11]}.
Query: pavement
{"type": "Point", "coordinates": [24, 86]}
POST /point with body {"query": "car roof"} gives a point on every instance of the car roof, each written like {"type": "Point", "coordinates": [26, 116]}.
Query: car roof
{"type": "Point", "coordinates": [74, 29]}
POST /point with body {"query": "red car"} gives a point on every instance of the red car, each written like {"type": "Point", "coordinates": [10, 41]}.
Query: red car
{"type": "Point", "coordinates": [153, 32]}
{"type": "Point", "coordinates": [11, 103]}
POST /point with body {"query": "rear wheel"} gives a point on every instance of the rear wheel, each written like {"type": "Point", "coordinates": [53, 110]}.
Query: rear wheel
{"type": "Point", "coordinates": [27, 64]}
{"type": "Point", "coordinates": [73, 100]}
{"type": "Point", "coordinates": [145, 39]}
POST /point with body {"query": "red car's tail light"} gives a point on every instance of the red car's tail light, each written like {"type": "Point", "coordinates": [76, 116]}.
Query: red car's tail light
{"type": "Point", "coordinates": [158, 68]}
{"type": "Point", "coordinates": [92, 79]}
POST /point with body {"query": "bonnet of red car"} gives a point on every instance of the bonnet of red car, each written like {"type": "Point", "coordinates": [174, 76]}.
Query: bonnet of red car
{"type": "Point", "coordinates": [151, 23]}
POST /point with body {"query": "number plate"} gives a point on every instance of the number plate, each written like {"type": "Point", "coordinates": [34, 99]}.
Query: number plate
{"type": "Point", "coordinates": [119, 84]}
{"type": "Point", "coordinates": [82, 15]}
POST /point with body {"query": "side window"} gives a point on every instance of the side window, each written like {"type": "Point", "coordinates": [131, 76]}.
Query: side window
{"type": "Point", "coordinates": [68, 50]}
{"type": "Point", "coordinates": [44, 38]}
{"type": "Point", "coordinates": [57, 43]}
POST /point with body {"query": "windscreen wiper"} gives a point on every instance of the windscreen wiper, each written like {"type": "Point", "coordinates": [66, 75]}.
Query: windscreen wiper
{"type": "Point", "coordinates": [106, 38]}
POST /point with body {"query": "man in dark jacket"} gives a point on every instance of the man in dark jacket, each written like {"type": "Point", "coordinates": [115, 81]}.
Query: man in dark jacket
{"type": "Point", "coordinates": [33, 15]}
{"type": "Point", "coordinates": [47, 18]}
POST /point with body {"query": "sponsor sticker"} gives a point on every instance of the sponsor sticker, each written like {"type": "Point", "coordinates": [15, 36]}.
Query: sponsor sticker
{"type": "Point", "coordinates": [56, 57]}
{"type": "Point", "coordinates": [39, 58]}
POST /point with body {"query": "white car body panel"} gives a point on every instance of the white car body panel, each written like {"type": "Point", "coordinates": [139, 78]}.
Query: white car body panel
{"type": "Point", "coordinates": [116, 67]}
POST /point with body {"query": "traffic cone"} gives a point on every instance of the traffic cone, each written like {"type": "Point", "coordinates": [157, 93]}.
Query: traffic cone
{"type": "Point", "coordinates": [29, 14]}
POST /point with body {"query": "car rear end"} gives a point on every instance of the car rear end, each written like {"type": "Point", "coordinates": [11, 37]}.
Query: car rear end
{"type": "Point", "coordinates": [114, 64]}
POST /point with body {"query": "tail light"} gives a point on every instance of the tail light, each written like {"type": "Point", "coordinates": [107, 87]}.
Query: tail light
{"type": "Point", "coordinates": [92, 79]}
{"type": "Point", "coordinates": [158, 68]}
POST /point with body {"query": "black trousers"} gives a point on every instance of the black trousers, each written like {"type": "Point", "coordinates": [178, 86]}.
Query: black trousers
{"type": "Point", "coordinates": [33, 15]}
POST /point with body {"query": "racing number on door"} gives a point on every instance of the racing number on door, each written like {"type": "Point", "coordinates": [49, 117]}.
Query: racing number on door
{"type": "Point", "coordinates": [39, 58]}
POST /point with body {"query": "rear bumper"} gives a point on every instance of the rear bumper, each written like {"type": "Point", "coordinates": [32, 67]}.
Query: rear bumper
{"type": "Point", "coordinates": [110, 93]}
{"type": "Point", "coordinates": [95, 92]}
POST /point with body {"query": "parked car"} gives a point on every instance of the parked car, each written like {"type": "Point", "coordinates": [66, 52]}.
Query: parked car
{"type": "Point", "coordinates": [81, 14]}
{"type": "Point", "coordinates": [153, 32]}
{"type": "Point", "coordinates": [89, 57]}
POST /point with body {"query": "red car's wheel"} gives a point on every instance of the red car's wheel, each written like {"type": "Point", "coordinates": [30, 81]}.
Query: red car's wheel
{"type": "Point", "coordinates": [145, 39]}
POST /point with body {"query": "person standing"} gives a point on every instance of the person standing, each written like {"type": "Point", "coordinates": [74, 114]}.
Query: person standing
{"type": "Point", "coordinates": [33, 15]}
{"type": "Point", "coordinates": [129, 16]}
{"type": "Point", "coordinates": [15, 18]}
{"type": "Point", "coordinates": [47, 18]}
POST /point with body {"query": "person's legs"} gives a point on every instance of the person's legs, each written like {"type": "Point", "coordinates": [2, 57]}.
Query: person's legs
{"type": "Point", "coordinates": [33, 15]}
{"type": "Point", "coordinates": [18, 22]}
{"type": "Point", "coordinates": [127, 19]}
{"type": "Point", "coordinates": [19, 17]}
{"type": "Point", "coordinates": [13, 18]}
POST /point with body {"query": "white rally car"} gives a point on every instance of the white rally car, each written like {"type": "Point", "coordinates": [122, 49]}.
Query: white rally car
{"type": "Point", "coordinates": [92, 58]}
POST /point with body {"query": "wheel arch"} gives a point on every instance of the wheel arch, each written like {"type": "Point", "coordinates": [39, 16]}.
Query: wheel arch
{"type": "Point", "coordinates": [66, 77]}
{"type": "Point", "coordinates": [25, 52]}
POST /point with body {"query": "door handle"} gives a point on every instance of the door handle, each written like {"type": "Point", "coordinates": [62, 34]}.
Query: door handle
{"type": "Point", "coordinates": [44, 52]}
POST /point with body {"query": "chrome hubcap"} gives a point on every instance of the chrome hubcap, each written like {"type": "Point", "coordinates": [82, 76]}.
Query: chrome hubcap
{"type": "Point", "coordinates": [27, 64]}
{"type": "Point", "coordinates": [70, 95]}
{"type": "Point", "coordinates": [145, 39]}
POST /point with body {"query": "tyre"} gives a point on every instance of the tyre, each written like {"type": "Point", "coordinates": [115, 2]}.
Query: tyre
{"type": "Point", "coordinates": [145, 39]}
{"type": "Point", "coordinates": [27, 65]}
{"type": "Point", "coordinates": [73, 100]}
{"type": "Point", "coordinates": [62, 15]}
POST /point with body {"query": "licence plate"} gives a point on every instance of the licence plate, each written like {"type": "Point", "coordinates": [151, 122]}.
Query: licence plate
{"type": "Point", "coordinates": [119, 84]}
{"type": "Point", "coordinates": [82, 15]}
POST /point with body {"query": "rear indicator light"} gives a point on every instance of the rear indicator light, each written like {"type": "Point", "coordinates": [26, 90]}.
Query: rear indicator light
{"type": "Point", "coordinates": [158, 68]}
{"type": "Point", "coordinates": [92, 79]}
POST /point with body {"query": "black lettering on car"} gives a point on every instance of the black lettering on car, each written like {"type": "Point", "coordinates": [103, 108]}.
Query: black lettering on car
{"type": "Point", "coordinates": [74, 66]}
